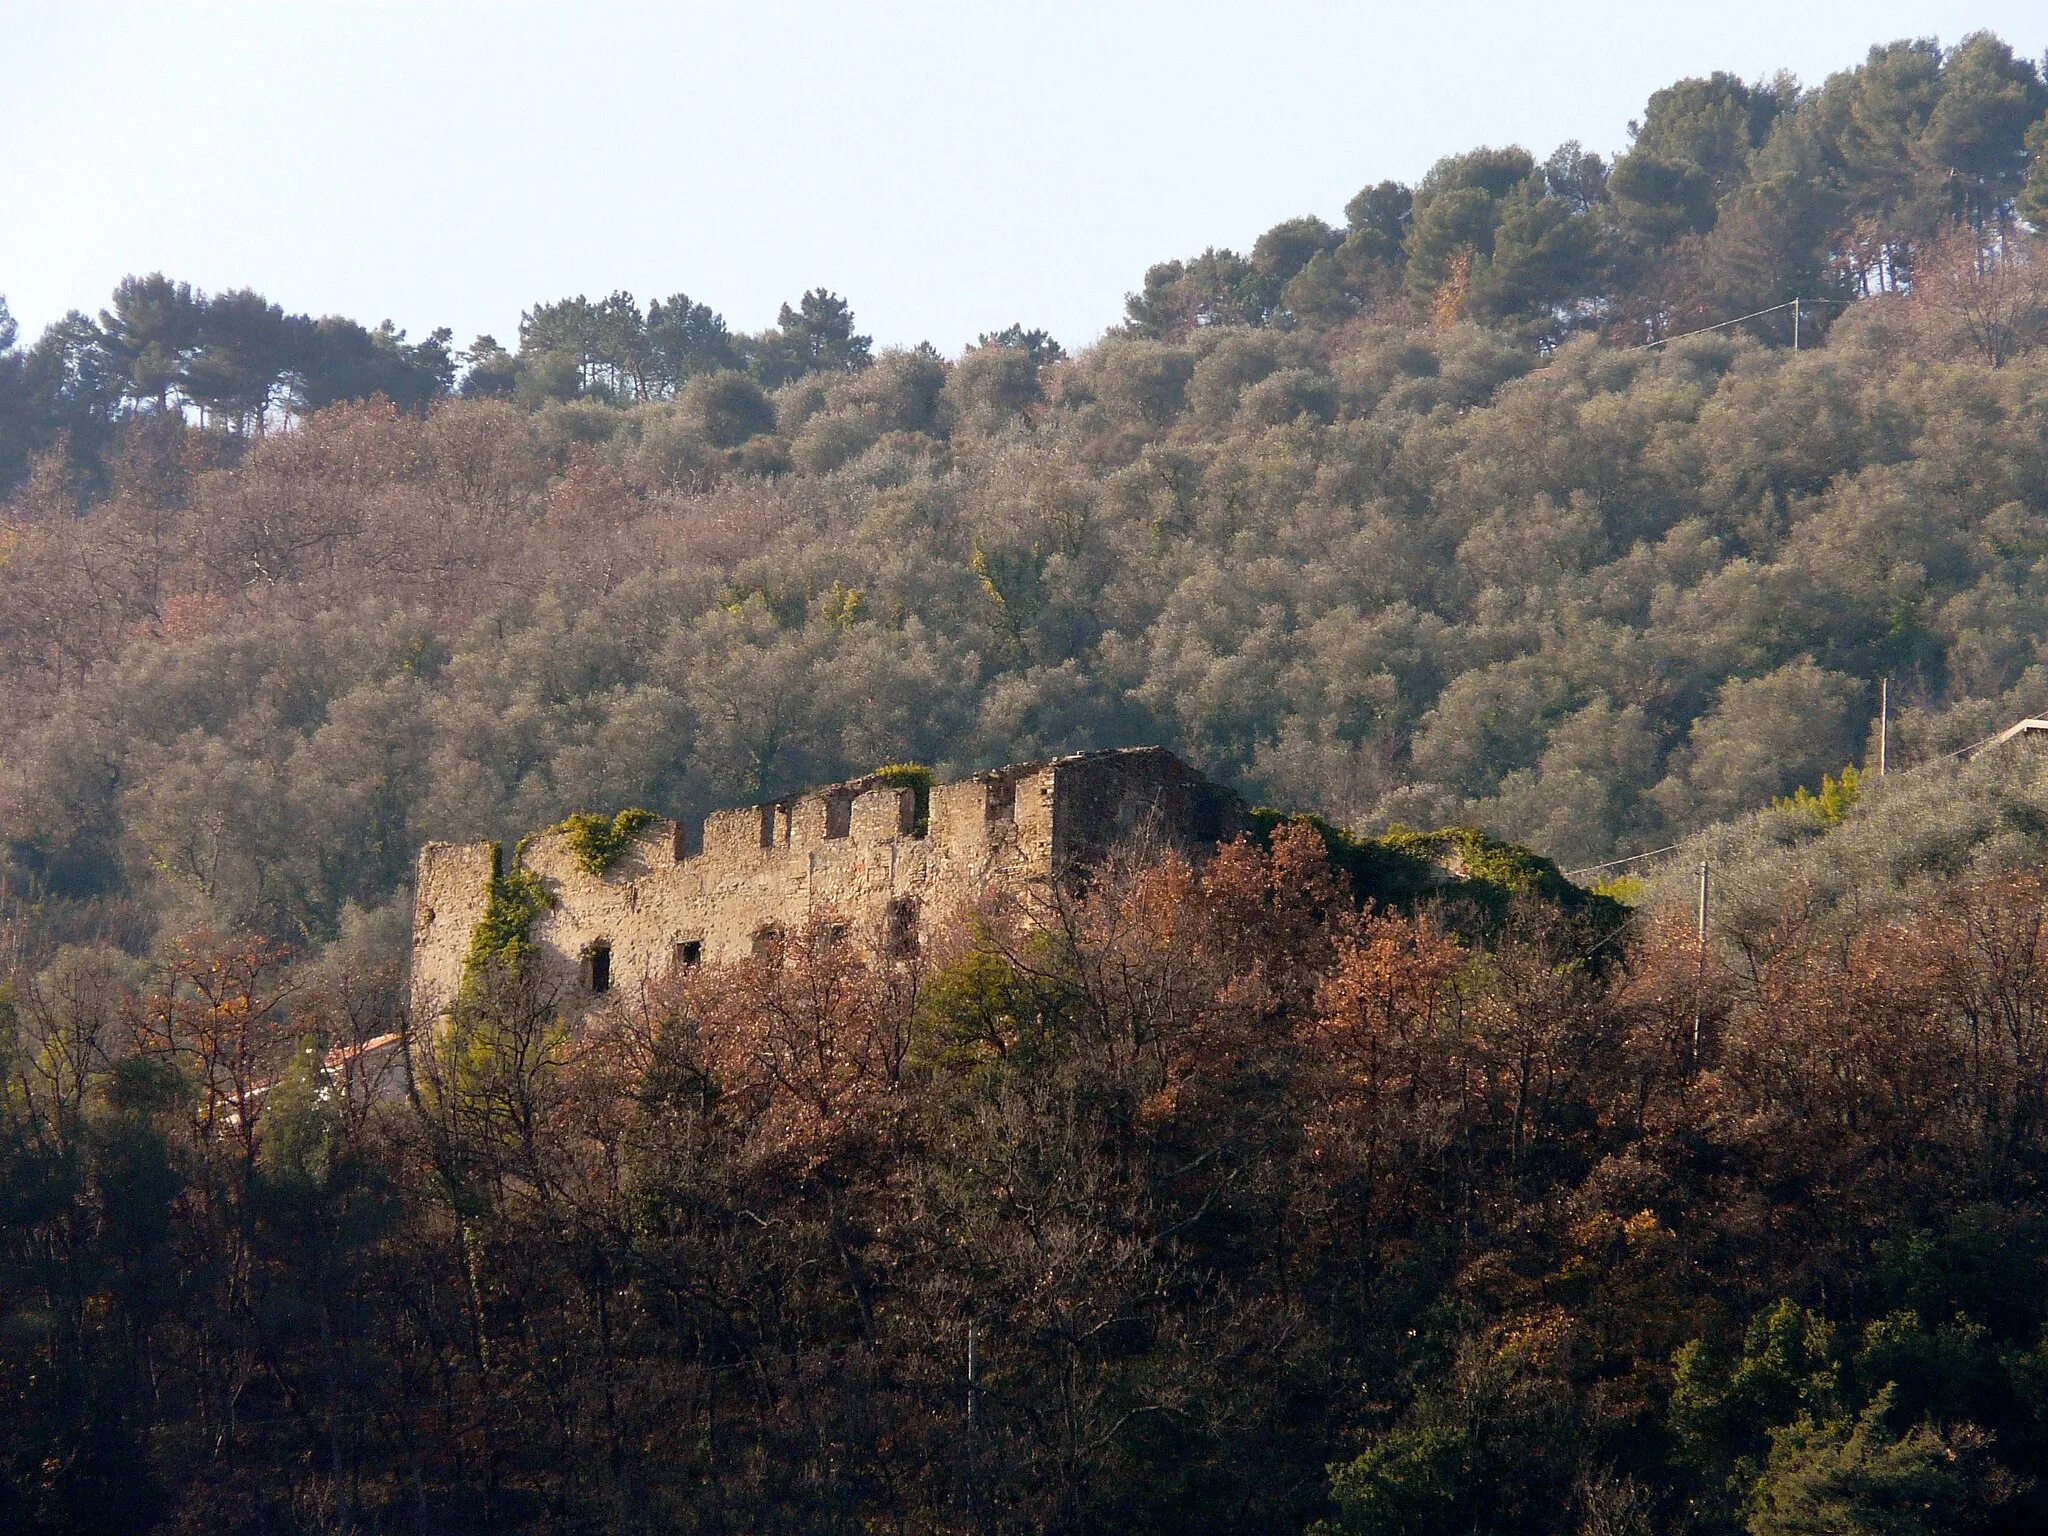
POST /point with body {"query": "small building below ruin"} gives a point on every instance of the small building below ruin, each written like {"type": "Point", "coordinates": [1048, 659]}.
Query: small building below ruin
{"type": "Point", "coordinates": [2032, 731]}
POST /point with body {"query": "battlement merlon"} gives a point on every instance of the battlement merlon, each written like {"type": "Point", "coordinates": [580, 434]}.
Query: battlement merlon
{"type": "Point", "coordinates": [669, 900]}
{"type": "Point", "coordinates": [1100, 799]}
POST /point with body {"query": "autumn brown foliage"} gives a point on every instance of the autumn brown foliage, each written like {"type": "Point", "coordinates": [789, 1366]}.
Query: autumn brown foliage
{"type": "Point", "coordinates": [1220, 1180]}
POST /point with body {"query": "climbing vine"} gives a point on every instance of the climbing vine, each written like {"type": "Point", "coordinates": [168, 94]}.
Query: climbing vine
{"type": "Point", "coordinates": [512, 900]}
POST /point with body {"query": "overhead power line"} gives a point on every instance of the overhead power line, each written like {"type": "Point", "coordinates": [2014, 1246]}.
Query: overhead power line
{"type": "Point", "coordinates": [1631, 859]}
{"type": "Point", "coordinates": [1637, 858]}
{"type": "Point", "coordinates": [1722, 325]}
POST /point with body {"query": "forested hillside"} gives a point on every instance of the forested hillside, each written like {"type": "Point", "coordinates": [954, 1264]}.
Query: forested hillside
{"type": "Point", "coordinates": [1586, 503]}
{"type": "Point", "coordinates": [1398, 522]}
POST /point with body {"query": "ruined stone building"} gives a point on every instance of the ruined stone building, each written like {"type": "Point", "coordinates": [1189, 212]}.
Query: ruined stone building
{"type": "Point", "coordinates": [879, 855]}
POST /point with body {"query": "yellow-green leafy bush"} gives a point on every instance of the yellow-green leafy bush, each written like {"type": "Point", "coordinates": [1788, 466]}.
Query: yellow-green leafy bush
{"type": "Point", "coordinates": [596, 842]}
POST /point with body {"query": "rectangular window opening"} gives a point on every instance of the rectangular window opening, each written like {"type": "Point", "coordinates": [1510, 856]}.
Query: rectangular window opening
{"type": "Point", "coordinates": [1002, 802]}
{"type": "Point", "coordinates": [600, 963]}
{"type": "Point", "coordinates": [839, 815]}
{"type": "Point", "coordinates": [689, 954]}
{"type": "Point", "coordinates": [900, 933]}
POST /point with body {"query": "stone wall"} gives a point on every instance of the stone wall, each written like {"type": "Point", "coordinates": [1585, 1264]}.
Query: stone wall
{"type": "Point", "coordinates": [449, 887]}
{"type": "Point", "coordinates": [854, 848]}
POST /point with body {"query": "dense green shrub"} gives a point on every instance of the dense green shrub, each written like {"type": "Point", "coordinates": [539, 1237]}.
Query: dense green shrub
{"type": "Point", "coordinates": [596, 842]}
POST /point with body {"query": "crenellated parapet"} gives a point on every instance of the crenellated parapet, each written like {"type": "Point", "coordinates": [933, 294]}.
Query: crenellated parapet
{"type": "Point", "coordinates": [669, 899]}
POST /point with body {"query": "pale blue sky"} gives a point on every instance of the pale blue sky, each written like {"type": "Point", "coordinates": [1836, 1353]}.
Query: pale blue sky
{"type": "Point", "coordinates": [948, 167]}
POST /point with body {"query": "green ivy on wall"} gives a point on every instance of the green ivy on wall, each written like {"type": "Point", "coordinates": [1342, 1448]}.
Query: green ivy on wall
{"type": "Point", "coordinates": [512, 900]}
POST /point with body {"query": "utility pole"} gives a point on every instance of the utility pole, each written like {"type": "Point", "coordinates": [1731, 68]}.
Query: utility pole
{"type": "Point", "coordinates": [1699, 980]}
{"type": "Point", "coordinates": [1884, 720]}
{"type": "Point", "coordinates": [973, 1448]}
{"type": "Point", "coordinates": [1795, 324]}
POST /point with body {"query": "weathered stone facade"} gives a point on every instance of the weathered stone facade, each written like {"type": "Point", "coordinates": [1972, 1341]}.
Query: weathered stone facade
{"type": "Point", "coordinates": [672, 899]}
